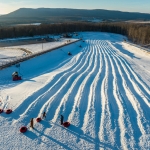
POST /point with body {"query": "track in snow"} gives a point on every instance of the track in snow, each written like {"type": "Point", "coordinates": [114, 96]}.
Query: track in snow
{"type": "Point", "coordinates": [100, 94]}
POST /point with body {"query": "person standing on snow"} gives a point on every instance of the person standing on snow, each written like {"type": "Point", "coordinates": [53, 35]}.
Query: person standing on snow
{"type": "Point", "coordinates": [44, 115]}
{"type": "Point", "coordinates": [61, 119]}
{"type": "Point", "coordinates": [31, 123]}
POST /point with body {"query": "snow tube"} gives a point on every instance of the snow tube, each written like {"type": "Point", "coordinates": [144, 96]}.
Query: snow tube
{"type": "Point", "coordinates": [19, 78]}
{"type": "Point", "coordinates": [23, 129]}
{"type": "Point", "coordinates": [8, 111]}
{"type": "Point", "coordinates": [38, 119]}
{"type": "Point", "coordinates": [66, 124]}
{"type": "Point", "coordinates": [15, 78]}
{"type": "Point", "coordinates": [1, 110]}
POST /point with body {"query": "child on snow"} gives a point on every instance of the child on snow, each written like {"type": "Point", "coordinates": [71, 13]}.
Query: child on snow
{"type": "Point", "coordinates": [31, 123]}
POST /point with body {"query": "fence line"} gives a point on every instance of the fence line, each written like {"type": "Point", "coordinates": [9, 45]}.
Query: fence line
{"type": "Point", "coordinates": [23, 58]}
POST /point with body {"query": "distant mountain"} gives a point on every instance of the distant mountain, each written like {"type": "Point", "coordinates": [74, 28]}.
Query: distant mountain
{"type": "Point", "coordinates": [45, 14]}
{"type": "Point", "coordinates": [29, 12]}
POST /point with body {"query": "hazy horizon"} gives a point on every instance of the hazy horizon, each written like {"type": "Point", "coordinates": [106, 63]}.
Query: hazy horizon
{"type": "Point", "coordinates": [125, 6]}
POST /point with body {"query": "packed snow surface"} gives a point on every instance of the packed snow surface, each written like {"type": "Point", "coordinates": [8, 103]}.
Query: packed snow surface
{"type": "Point", "coordinates": [103, 90]}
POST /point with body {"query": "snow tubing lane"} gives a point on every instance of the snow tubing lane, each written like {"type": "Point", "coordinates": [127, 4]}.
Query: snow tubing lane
{"type": "Point", "coordinates": [8, 111]}
{"type": "Point", "coordinates": [38, 119]}
{"type": "Point", "coordinates": [1, 110]}
{"type": "Point", "coordinates": [66, 124]}
{"type": "Point", "coordinates": [23, 129]}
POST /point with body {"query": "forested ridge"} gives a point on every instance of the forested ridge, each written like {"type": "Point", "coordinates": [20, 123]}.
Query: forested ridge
{"type": "Point", "coordinates": [137, 33]}
{"type": "Point", "coordinates": [33, 13]}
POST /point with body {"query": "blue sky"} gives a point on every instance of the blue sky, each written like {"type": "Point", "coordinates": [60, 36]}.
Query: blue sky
{"type": "Point", "coordinates": [7, 6]}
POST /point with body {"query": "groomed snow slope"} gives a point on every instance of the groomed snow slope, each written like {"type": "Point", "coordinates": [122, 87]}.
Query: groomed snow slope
{"type": "Point", "coordinates": [102, 90]}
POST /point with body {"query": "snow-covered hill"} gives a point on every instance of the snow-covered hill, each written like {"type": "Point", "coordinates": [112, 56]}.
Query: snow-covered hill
{"type": "Point", "coordinates": [103, 90]}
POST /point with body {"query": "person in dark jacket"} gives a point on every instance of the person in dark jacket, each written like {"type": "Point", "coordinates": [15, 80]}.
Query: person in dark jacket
{"type": "Point", "coordinates": [31, 123]}
{"type": "Point", "coordinates": [44, 115]}
{"type": "Point", "coordinates": [69, 53]}
{"type": "Point", "coordinates": [15, 74]}
{"type": "Point", "coordinates": [61, 119]}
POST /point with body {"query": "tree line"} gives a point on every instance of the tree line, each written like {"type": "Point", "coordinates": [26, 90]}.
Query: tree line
{"type": "Point", "coordinates": [137, 33]}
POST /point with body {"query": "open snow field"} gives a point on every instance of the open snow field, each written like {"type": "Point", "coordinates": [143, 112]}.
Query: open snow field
{"type": "Point", "coordinates": [103, 90]}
